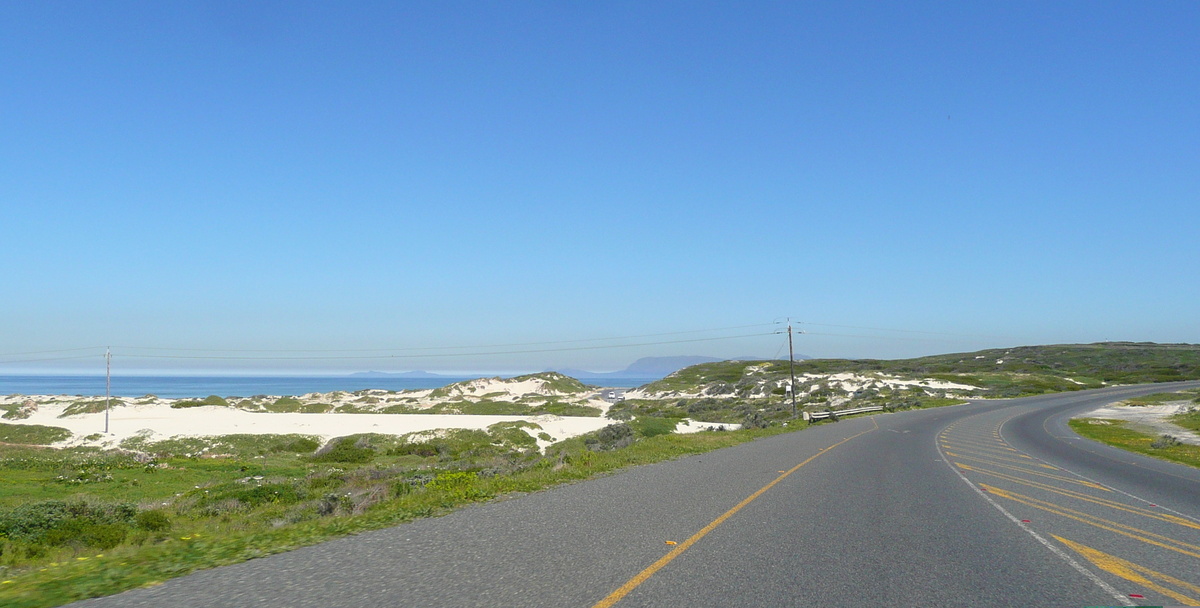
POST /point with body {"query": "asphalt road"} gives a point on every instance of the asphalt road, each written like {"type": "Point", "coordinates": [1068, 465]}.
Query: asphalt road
{"type": "Point", "coordinates": [985, 504]}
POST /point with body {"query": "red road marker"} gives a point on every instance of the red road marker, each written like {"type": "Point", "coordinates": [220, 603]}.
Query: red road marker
{"type": "Point", "coordinates": [1154, 505]}
{"type": "Point", "coordinates": [1026, 521]}
{"type": "Point", "coordinates": [1140, 597]}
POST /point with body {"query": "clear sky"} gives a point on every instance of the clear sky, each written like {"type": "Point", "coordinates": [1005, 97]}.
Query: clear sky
{"type": "Point", "coordinates": [289, 176]}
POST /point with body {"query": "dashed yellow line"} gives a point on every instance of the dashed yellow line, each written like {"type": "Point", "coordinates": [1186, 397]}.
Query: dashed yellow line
{"type": "Point", "coordinates": [1134, 573]}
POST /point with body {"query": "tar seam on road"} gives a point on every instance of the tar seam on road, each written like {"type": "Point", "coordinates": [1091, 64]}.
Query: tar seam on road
{"type": "Point", "coordinates": [642, 576]}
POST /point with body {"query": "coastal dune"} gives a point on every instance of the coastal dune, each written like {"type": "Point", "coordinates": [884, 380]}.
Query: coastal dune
{"type": "Point", "coordinates": [161, 421]}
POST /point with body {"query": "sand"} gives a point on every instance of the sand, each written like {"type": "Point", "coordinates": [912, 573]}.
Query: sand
{"type": "Point", "coordinates": [1148, 418]}
{"type": "Point", "coordinates": [161, 421]}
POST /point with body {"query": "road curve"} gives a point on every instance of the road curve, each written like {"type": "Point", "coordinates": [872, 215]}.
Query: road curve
{"type": "Point", "coordinates": [987, 504]}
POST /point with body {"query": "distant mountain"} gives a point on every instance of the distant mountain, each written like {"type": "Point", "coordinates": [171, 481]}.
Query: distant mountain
{"type": "Point", "coordinates": [412, 374]}
{"type": "Point", "coordinates": [652, 368]}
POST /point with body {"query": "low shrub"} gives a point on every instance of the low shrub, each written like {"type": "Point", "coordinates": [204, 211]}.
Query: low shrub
{"type": "Point", "coordinates": [153, 520]}
{"type": "Point", "coordinates": [651, 427]}
{"type": "Point", "coordinates": [298, 445]}
{"type": "Point", "coordinates": [611, 437]}
{"type": "Point", "coordinates": [1165, 441]}
{"type": "Point", "coordinates": [458, 485]}
{"type": "Point", "coordinates": [344, 449]}
{"type": "Point", "coordinates": [32, 434]}
{"type": "Point", "coordinates": [83, 532]}
{"type": "Point", "coordinates": [59, 522]}
{"type": "Point", "coordinates": [209, 400]}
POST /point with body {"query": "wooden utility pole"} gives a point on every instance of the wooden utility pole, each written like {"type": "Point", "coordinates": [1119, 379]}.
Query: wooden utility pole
{"type": "Point", "coordinates": [792, 369]}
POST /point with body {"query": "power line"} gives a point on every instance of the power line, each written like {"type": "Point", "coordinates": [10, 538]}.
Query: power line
{"type": "Point", "coordinates": [50, 359]}
{"type": "Point", "coordinates": [431, 355]}
{"type": "Point", "coordinates": [43, 352]}
{"type": "Point", "coordinates": [909, 331]}
{"type": "Point", "coordinates": [428, 348]}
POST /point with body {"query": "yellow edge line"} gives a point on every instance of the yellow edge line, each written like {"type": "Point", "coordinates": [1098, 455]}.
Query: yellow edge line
{"type": "Point", "coordinates": [642, 576]}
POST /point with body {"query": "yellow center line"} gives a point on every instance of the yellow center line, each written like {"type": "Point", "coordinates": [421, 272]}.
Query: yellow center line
{"type": "Point", "coordinates": [1133, 572]}
{"type": "Point", "coordinates": [642, 576]}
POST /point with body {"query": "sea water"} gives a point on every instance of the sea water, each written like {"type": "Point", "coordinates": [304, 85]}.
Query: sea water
{"type": "Point", "coordinates": [175, 387]}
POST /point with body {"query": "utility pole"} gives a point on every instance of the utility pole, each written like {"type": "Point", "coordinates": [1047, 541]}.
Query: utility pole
{"type": "Point", "coordinates": [107, 384]}
{"type": "Point", "coordinates": [792, 369]}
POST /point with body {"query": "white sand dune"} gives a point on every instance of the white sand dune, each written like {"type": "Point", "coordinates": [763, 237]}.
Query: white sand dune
{"type": "Point", "coordinates": [160, 421]}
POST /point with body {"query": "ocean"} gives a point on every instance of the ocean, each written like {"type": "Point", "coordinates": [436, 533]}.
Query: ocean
{"type": "Point", "coordinates": [175, 387]}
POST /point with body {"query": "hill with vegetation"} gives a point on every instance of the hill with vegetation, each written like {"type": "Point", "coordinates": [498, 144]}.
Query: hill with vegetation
{"type": "Point", "coordinates": [755, 392]}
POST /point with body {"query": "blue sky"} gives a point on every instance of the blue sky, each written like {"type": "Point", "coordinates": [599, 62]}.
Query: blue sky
{"type": "Point", "coordinates": [285, 176]}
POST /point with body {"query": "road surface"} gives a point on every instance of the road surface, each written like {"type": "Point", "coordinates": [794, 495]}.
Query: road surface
{"type": "Point", "coordinates": [991, 503]}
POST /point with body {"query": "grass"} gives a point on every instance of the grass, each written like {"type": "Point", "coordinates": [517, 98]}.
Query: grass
{"type": "Point", "coordinates": [1118, 435]}
{"type": "Point", "coordinates": [250, 507]}
{"type": "Point", "coordinates": [1189, 419]}
{"type": "Point", "coordinates": [32, 434]}
{"type": "Point", "coordinates": [1158, 398]}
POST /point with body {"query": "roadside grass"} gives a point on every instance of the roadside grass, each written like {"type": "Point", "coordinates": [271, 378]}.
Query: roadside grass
{"type": "Point", "coordinates": [1189, 420]}
{"type": "Point", "coordinates": [1118, 435]}
{"type": "Point", "coordinates": [1157, 398]}
{"type": "Point", "coordinates": [207, 512]}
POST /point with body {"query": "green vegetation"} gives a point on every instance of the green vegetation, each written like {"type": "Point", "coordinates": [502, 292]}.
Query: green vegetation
{"type": "Point", "coordinates": [32, 434]}
{"type": "Point", "coordinates": [1189, 419]}
{"type": "Point", "coordinates": [1159, 398]}
{"type": "Point", "coordinates": [508, 408]}
{"type": "Point", "coordinates": [89, 407]}
{"type": "Point", "coordinates": [294, 405]}
{"type": "Point", "coordinates": [210, 400]}
{"type": "Point", "coordinates": [1117, 434]}
{"type": "Point", "coordinates": [149, 515]}
{"type": "Point", "coordinates": [16, 411]}
{"type": "Point", "coordinates": [1010, 372]}
{"type": "Point", "coordinates": [552, 381]}
{"type": "Point", "coordinates": [653, 427]}
{"type": "Point", "coordinates": [238, 445]}
{"type": "Point", "coordinates": [557, 382]}
{"type": "Point", "coordinates": [757, 412]}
